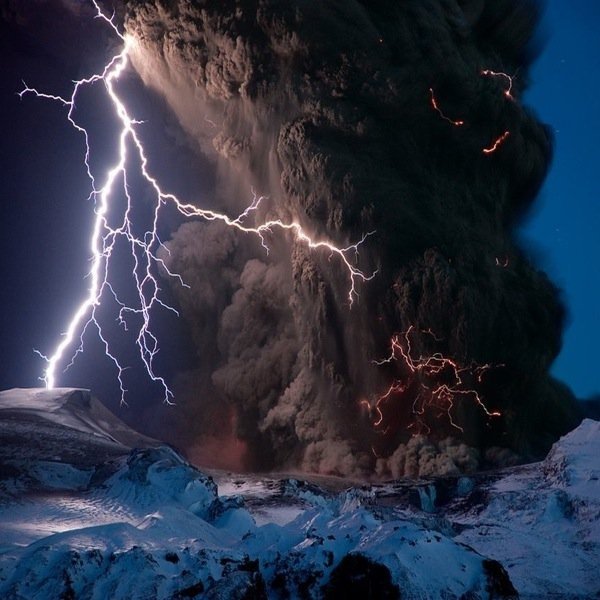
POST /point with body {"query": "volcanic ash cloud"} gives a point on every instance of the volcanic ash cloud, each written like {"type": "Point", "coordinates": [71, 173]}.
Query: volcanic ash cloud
{"type": "Point", "coordinates": [400, 118]}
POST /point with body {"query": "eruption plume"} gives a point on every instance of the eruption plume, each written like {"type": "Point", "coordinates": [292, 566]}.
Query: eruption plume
{"type": "Point", "coordinates": [402, 120]}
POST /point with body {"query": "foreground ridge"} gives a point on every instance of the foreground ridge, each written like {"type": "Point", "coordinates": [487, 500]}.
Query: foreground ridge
{"type": "Point", "coordinates": [104, 519]}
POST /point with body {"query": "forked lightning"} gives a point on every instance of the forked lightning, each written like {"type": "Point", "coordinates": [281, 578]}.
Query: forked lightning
{"type": "Point", "coordinates": [144, 247]}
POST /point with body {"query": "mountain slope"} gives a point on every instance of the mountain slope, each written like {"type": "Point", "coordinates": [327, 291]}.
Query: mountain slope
{"type": "Point", "coordinates": [84, 514]}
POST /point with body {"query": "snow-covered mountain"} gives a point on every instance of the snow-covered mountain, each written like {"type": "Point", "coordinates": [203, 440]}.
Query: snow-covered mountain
{"type": "Point", "coordinates": [91, 509]}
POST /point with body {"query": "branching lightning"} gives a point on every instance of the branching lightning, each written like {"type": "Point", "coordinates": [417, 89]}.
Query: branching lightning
{"type": "Point", "coordinates": [422, 382]}
{"type": "Point", "coordinates": [144, 248]}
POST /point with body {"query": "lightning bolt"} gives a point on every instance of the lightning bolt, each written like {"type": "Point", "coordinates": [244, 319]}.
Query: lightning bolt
{"type": "Point", "coordinates": [144, 247]}
{"type": "Point", "coordinates": [424, 374]}
{"type": "Point", "coordinates": [496, 143]}
{"type": "Point", "coordinates": [437, 109]}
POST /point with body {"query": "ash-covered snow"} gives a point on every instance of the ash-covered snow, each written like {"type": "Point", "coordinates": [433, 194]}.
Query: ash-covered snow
{"type": "Point", "coordinates": [90, 509]}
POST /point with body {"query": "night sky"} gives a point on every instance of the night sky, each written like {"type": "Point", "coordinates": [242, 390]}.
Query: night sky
{"type": "Point", "coordinates": [565, 91]}
{"type": "Point", "coordinates": [45, 218]}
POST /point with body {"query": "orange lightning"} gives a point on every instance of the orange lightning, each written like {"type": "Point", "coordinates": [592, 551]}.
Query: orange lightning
{"type": "Point", "coordinates": [435, 106]}
{"type": "Point", "coordinates": [508, 78]}
{"type": "Point", "coordinates": [496, 143]}
{"type": "Point", "coordinates": [458, 123]}
{"type": "Point", "coordinates": [424, 375]}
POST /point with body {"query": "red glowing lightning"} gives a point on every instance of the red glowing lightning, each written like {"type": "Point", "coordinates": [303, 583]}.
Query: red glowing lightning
{"type": "Point", "coordinates": [496, 143]}
{"type": "Point", "coordinates": [144, 247]}
{"type": "Point", "coordinates": [435, 106]}
{"type": "Point", "coordinates": [507, 92]}
{"type": "Point", "coordinates": [423, 379]}
{"type": "Point", "coordinates": [508, 78]}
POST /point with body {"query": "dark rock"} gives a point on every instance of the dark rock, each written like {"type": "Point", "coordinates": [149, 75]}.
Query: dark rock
{"type": "Point", "coordinates": [359, 577]}
{"type": "Point", "coordinates": [190, 592]}
{"type": "Point", "coordinates": [239, 585]}
{"type": "Point", "coordinates": [499, 584]}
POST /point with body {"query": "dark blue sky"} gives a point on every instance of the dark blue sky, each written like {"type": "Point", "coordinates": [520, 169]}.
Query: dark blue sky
{"type": "Point", "coordinates": [43, 218]}
{"type": "Point", "coordinates": [565, 92]}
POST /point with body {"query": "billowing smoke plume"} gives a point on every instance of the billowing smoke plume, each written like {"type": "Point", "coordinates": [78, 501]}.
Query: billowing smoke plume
{"type": "Point", "coordinates": [354, 117]}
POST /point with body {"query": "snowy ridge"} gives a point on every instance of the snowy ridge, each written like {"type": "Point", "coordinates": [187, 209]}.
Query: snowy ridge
{"type": "Point", "coordinates": [574, 463]}
{"type": "Point", "coordinates": [143, 523]}
{"type": "Point", "coordinates": [71, 408]}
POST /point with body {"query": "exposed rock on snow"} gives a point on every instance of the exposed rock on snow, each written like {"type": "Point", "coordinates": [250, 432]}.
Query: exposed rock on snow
{"type": "Point", "coordinates": [83, 515]}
